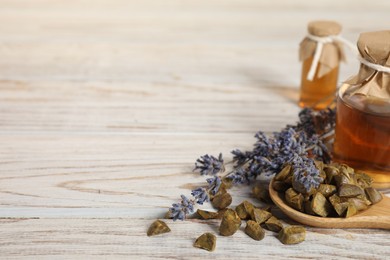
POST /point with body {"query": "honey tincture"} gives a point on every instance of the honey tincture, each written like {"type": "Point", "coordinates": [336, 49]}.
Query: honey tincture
{"type": "Point", "coordinates": [362, 136]}
{"type": "Point", "coordinates": [320, 54]}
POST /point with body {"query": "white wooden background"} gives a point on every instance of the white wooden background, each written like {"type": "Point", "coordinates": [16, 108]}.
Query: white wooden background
{"type": "Point", "coordinates": [105, 105]}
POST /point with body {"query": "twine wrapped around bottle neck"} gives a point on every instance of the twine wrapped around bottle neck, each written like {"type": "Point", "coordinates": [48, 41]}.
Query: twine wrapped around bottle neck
{"type": "Point", "coordinates": [373, 66]}
{"type": "Point", "coordinates": [323, 45]}
{"type": "Point", "coordinates": [373, 79]}
{"type": "Point", "coordinates": [318, 51]}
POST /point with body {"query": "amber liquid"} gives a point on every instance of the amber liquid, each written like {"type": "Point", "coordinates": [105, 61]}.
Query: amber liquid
{"type": "Point", "coordinates": [320, 92]}
{"type": "Point", "coordinates": [362, 138]}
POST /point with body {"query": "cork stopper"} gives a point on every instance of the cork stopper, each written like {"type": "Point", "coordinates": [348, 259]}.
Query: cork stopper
{"type": "Point", "coordinates": [324, 28]}
{"type": "Point", "coordinates": [375, 47]}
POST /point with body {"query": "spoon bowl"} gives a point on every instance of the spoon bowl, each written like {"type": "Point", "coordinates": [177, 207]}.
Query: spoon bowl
{"type": "Point", "coordinates": [376, 216]}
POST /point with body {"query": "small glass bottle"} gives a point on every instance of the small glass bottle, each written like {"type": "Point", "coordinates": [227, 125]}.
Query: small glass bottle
{"type": "Point", "coordinates": [362, 137]}
{"type": "Point", "coordinates": [318, 90]}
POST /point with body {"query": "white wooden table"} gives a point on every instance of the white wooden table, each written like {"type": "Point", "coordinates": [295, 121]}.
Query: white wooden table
{"type": "Point", "coordinates": [105, 105]}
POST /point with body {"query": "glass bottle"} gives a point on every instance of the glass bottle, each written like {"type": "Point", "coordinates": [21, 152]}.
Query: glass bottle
{"type": "Point", "coordinates": [319, 90]}
{"type": "Point", "coordinates": [362, 134]}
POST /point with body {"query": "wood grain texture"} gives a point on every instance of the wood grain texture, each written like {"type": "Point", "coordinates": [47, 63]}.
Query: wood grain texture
{"type": "Point", "coordinates": [105, 105]}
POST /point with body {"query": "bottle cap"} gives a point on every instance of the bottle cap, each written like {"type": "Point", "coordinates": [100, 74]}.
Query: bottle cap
{"type": "Point", "coordinates": [324, 28]}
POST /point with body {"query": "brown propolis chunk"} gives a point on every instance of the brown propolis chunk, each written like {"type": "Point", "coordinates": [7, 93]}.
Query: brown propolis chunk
{"type": "Point", "coordinates": [168, 215]}
{"type": "Point", "coordinates": [360, 204]}
{"type": "Point", "coordinates": [158, 227]}
{"type": "Point", "coordinates": [261, 193]}
{"type": "Point", "coordinates": [283, 174]}
{"type": "Point", "coordinates": [260, 216]}
{"type": "Point", "coordinates": [308, 209]}
{"type": "Point", "coordinates": [339, 206]}
{"type": "Point", "coordinates": [320, 205]}
{"type": "Point", "coordinates": [373, 195]}
{"type": "Point", "coordinates": [292, 235]}
{"type": "Point", "coordinates": [363, 180]}
{"type": "Point", "coordinates": [221, 212]}
{"type": "Point", "coordinates": [231, 222]}
{"type": "Point", "coordinates": [350, 190]}
{"type": "Point", "coordinates": [280, 186]}
{"type": "Point", "coordinates": [254, 230]}
{"type": "Point", "coordinates": [344, 178]}
{"type": "Point", "coordinates": [273, 224]}
{"type": "Point", "coordinates": [204, 214]}
{"type": "Point", "coordinates": [330, 172]}
{"type": "Point", "coordinates": [222, 201]}
{"type": "Point", "coordinates": [294, 199]}
{"type": "Point", "coordinates": [245, 210]}
{"type": "Point", "coordinates": [327, 189]}
{"type": "Point", "coordinates": [351, 210]}
{"type": "Point", "coordinates": [206, 241]}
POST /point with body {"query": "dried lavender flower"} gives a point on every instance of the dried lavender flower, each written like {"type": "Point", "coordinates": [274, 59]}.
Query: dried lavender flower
{"type": "Point", "coordinates": [201, 195]}
{"type": "Point", "coordinates": [263, 145]}
{"type": "Point", "coordinates": [305, 173]}
{"type": "Point", "coordinates": [182, 209]}
{"type": "Point", "coordinates": [239, 176]}
{"type": "Point", "coordinates": [214, 184]}
{"type": "Point", "coordinates": [208, 164]}
{"type": "Point", "coordinates": [318, 149]}
{"type": "Point", "coordinates": [306, 121]}
{"type": "Point", "coordinates": [239, 157]}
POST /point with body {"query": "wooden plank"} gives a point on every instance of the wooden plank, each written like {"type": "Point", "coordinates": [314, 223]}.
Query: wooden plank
{"type": "Point", "coordinates": [124, 237]}
{"type": "Point", "coordinates": [129, 107]}
{"type": "Point", "coordinates": [52, 171]}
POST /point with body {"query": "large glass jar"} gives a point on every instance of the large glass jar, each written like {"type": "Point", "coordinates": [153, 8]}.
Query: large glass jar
{"type": "Point", "coordinates": [362, 137]}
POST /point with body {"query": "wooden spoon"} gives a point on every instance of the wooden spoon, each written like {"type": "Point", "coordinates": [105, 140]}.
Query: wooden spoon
{"type": "Point", "coordinates": [376, 216]}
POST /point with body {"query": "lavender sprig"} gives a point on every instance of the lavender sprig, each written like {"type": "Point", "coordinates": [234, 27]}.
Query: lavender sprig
{"type": "Point", "coordinates": [239, 176]}
{"type": "Point", "coordinates": [182, 209]}
{"type": "Point", "coordinates": [208, 164]}
{"type": "Point", "coordinates": [239, 157]}
{"type": "Point", "coordinates": [214, 184]}
{"type": "Point", "coordinates": [201, 195]}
